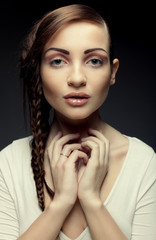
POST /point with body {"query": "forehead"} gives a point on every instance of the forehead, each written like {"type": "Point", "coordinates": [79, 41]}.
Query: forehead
{"type": "Point", "coordinates": [77, 35]}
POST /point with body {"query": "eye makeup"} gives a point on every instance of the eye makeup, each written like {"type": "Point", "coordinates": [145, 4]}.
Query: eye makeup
{"type": "Point", "coordinates": [97, 56]}
{"type": "Point", "coordinates": [55, 56]}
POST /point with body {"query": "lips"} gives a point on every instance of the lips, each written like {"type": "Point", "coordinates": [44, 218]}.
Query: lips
{"type": "Point", "coordinates": [77, 95]}
{"type": "Point", "coordinates": [76, 99]}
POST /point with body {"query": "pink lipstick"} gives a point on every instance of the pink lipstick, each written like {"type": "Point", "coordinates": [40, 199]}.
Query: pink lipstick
{"type": "Point", "coordinates": [76, 99]}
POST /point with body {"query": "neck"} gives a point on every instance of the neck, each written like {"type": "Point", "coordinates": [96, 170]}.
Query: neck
{"type": "Point", "coordinates": [67, 126]}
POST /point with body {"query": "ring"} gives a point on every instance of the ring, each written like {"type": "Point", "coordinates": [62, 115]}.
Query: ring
{"type": "Point", "coordinates": [64, 155]}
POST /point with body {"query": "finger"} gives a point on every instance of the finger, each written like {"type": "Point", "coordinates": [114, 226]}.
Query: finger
{"type": "Point", "coordinates": [101, 147]}
{"type": "Point", "coordinates": [77, 155]}
{"type": "Point", "coordinates": [91, 138]}
{"type": "Point", "coordinates": [94, 158]}
{"type": "Point", "coordinates": [69, 137]}
{"type": "Point", "coordinates": [104, 147]}
{"type": "Point", "coordinates": [68, 148]}
{"type": "Point", "coordinates": [72, 162]}
{"type": "Point", "coordinates": [98, 163]}
{"type": "Point", "coordinates": [97, 134]}
{"type": "Point", "coordinates": [52, 144]}
{"type": "Point", "coordinates": [58, 146]}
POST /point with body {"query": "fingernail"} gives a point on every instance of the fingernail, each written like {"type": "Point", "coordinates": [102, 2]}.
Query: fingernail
{"type": "Point", "coordinates": [77, 134]}
{"type": "Point", "coordinates": [59, 133]}
{"type": "Point", "coordinates": [85, 162]}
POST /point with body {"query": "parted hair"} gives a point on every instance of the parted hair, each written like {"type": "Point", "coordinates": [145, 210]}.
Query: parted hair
{"type": "Point", "coordinates": [39, 108]}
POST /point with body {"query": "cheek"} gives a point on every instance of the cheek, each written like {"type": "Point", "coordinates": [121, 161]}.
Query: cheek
{"type": "Point", "coordinates": [50, 86]}
{"type": "Point", "coordinates": [101, 88]}
{"type": "Point", "coordinates": [102, 83]}
{"type": "Point", "coordinates": [101, 93]}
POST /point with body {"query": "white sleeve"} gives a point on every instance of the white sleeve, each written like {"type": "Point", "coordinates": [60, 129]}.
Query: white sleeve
{"type": "Point", "coordinates": [9, 227]}
{"type": "Point", "coordinates": [144, 222]}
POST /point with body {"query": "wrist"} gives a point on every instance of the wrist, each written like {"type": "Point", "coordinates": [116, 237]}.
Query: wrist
{"type": "Point", "coordinates": [91, 203]}
{"type": "Point", "coordinates": [61, 204]}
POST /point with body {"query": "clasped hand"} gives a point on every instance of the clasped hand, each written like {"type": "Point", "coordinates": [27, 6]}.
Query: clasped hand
{"type": "Point", "coordinates": [78, 166]}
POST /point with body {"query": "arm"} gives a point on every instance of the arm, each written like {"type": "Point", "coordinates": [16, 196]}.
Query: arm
{"type": "Point", "coordinates": [144, 222]}
{"type": "Point", "coordinates": [9, 227]}
{"type": "Point", "coordinates": [101, 224]}
{"type": "Point", "coordinates": [47, 226]}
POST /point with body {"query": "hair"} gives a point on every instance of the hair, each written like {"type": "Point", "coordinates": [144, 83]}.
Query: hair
{"type": "Point", "coordinates": [30, 61]}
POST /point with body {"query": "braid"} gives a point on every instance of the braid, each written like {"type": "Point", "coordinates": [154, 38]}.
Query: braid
{"type": "Point", "coordinates": [40, 128]}
{"type": "Point", "coordinates": [39, 110]}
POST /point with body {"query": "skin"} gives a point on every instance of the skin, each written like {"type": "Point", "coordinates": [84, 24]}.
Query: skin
{"type": "Point", "coordinates": [83, 66]}
{"type": "Point", "coordinates": [81, 147]}
{"type": "Point", "coordinates": [77, 72]}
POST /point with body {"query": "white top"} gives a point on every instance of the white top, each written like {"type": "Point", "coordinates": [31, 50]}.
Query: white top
{"type": "Point", "coordinates": [131, 202]}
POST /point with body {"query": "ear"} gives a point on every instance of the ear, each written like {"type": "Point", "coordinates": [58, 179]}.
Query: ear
{"type": "Point", "coordinates": [115, 67]}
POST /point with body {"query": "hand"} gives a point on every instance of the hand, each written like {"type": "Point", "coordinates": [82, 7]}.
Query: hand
{"type": "Point", "coordinates": [91, 175]}
{"type": "Point", "coordinates": [63, 158]}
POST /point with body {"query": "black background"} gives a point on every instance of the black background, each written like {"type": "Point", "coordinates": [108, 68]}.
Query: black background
{"type": "Point", "coordinates": [130, 107]}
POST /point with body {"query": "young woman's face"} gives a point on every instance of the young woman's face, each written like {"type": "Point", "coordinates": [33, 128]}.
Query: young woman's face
{"type": "Point", "coordinates": [76, 71]}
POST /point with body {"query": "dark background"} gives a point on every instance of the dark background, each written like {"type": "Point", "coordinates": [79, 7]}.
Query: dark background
{"type": "Point", "coordinates": [130, 107]}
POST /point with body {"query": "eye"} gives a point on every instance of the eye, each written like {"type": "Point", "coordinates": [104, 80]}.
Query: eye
{"type": "Point", "coordinates": [95, 62]}
{"type": "Point", "coordinates": [57, 62]}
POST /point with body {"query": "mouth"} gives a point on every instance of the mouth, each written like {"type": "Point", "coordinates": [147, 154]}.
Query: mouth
{"type": "Point", "coordinates": [80, 95]}
{"type": "Point", "coordinates": [77, 99]}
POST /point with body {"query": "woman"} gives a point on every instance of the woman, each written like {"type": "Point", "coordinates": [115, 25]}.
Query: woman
{"type": "Point", "coordinates": [76, 177]}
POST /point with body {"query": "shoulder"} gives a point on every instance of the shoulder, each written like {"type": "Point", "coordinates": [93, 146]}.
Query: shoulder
{"type": "Point", "coordinates": [16, 153]}
{"type": "Point", "coordinates": [15, 166]}
{"type": "Point", "coordinates": [142, 158]}
{"type": "Point", "coordinates": [140, 149]}
{"type": "Point", "coordinates": [144, 161]}
{"type": "Point", "coordinates": [22, 142]}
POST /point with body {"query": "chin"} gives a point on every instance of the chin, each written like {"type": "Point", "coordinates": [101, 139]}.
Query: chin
{"type": "Point", "coordinates": [79, 115]}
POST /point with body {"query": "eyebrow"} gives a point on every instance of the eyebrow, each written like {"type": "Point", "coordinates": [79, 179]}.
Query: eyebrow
{"type": "Point", "coordinates": [58, 50]}
{"type": "Point", "coordinates": [94, 49]}
{"type": "Point", "coordinates": [68, 53]}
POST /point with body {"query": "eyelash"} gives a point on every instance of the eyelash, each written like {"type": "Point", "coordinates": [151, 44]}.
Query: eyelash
{"type": "Point", "coordinates": [59, 62]}
{"type": "Point", "coordinates": [96, 62]}
{"type": "Point", "coordinates": [54, 63]}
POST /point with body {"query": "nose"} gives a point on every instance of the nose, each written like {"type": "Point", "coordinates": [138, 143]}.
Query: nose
{"type": "Point", "coordinates": [76, 78]}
